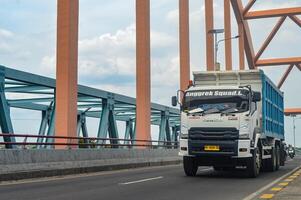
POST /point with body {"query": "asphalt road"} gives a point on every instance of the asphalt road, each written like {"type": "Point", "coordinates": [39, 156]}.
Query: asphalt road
{"type": "Point", "coordinates": [168, 182]}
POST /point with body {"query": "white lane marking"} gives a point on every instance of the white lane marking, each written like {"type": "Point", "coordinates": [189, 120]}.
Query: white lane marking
{"type": "Point", "coordinates": [76, 176]}
{"type": "Point", "coordinates": [253, 195]}
{"type": "Point", "coordinates": [142, 180]}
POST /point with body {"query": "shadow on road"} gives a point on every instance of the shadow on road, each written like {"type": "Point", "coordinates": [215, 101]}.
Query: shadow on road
{"type": "Point", "coordinates": [234, 174]}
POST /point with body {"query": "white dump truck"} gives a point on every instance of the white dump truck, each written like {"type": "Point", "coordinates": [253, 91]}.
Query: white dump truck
{"type": "Point", "coordinates": [231, 119]}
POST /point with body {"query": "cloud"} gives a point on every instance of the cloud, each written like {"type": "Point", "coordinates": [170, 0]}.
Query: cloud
{"type": "Point", "coordinates": [5, 38]}
{"type": "Point", "coordinates": [5, 33]}
{"type": "Point", "coordinates": [108, 61]}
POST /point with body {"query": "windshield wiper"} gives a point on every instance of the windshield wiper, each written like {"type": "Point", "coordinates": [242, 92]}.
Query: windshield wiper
{"type": "Point", "coordinates": [230, 110]}
{"type": "Point", "coordinates": [196, 110]}
{"type": "Point", "coordinates": [211, 111]}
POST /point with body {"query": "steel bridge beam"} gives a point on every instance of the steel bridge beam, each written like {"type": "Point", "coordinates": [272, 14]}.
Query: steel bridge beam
{"type": "Point", "coordinates": [66, 69]}
{"type": "Point", "coordinates": [129, 131]}
{"type": "Point", "coordinates": [124, 106]}
{"type": "Point", "coordinates": [245, 29]}
{"type": "Point", "coordinates": [84, 92]}
{"type": "Point", "coordinates": [273, 13]}
{"type": "Point", "coordinates": [143, 93]}
{"type": "Point", "coordinates": [228, 34]}
{"type": "Point", "coordinates": [241, 46]}
{"type": "Point", "coordinates": [209, 36]}
{"type": "Point", "coordinates": [108, 122]}
{"type": "Point", "coordinates": [249, 6]}
{"type": "Point", "coordinates": [278, 61]}
{"type": "Point", "coordinates": [284, 77]}
{"type": "Point", "coordinates": [292, 111]}
{"type": "Point", "coordinates": [5, 119]}
{"type": "Point", "coordinates": [184, 44]}
{"type": "Point", "coordinates": [270, 37]}
{"type": "Point", "coordinates": [296, 20]}
{"type": "Point", "coordinates": [51, 126]}
{"type": "Point", "coordinates": [164, 134]}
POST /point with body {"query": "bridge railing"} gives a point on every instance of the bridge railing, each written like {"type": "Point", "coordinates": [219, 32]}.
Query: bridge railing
{"type": "Point", "coordinates": [81, 142]}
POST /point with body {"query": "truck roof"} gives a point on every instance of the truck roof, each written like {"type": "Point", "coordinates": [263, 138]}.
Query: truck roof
{"type": "Point", "coordinates": [227, 78]}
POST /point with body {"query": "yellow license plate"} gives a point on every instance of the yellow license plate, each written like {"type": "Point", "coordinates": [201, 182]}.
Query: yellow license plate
{"type": "Point", "coordinates": [211, 148]}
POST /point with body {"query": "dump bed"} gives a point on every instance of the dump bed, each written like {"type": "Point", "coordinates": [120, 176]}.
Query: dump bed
{"type": "Point", "coordinates": [271, 106]}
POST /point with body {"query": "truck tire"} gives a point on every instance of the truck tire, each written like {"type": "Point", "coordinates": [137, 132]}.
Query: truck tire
{"type": "Point", "coordinates": [254, 164]}
{"type": "Point", "coordinates": [282, 156]}
{"type": "Point", "coordinates": [270, 164]}
{"type": "Point", "coordinates": [190, 166]}
{"type": "Point", "coordinates": [277, 157]}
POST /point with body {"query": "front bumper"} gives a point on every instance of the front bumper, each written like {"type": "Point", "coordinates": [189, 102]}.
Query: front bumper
{"type": "Point", "coordinates": [228, 148]}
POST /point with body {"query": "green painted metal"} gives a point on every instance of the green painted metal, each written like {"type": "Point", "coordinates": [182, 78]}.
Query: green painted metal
{"type": "Point", "coordinates": [106, 106]}
{"type": "Point", "coordinates": [129, 131]}
{"type": "Point", "coordinates": [175, 133]}
{"type": "Point", "coordinates": [104, 121]}
{"type": "Point", "coordinates": [51, 126]}
{"type": "Point", "coordinates": [164, 134]}
{"type": "Point", "coordinates": [113, 130]}
{"type": "Point", "coordinates": [5, 119]}
{"type": "Point", "coordinates": [82, 127]}
{"type": "Point", "coordinates": [108, 122]}
{"type": "Point", "coordinates": [43, 126]}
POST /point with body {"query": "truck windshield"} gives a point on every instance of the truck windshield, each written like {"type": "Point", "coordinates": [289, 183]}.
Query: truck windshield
{"type": "Point", "coordinates": [216, 101]}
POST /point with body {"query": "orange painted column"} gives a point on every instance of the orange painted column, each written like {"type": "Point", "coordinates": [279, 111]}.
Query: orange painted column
{"type": "Point", "coordinates": [66, 69]}
{"type": "Point", "coordinates": [184, 44]}
{"type": "Point", "coordinates": [209, 36]}
{"type": "Point", "coordinates": [228, 34]}
{"type": "Point", "coordinates": [143, 92]}
{"type": "Point", "coordinates": [241, 44]}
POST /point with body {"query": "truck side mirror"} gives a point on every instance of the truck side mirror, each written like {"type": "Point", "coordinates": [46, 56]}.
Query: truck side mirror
{"type": "Point", "coordinates": [174, 101]}
{"type": "Point", "coordinates": [256, 96]}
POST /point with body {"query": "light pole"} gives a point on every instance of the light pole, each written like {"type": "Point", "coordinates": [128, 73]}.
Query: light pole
{"type": "Point", "coordinates": [222, 40]}
{"type": "Point", "coordinates": [217, 42]}
{"type": "Point", "coordinates": [294, 128]}
{"type": "Point", "coordinates": [216, 32]}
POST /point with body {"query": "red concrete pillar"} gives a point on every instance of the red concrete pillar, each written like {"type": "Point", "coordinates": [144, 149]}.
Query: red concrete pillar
{"type": "Point", "coordinates": [209, 36]}
{"type": "Point", "coordinates": [184, 43]}
{"type": "Point", "coordinates": [143, 92]}
{"type": "Point", "coordinates": [66, 69]}
{"type": "Point", "coordinates": [228, 34]}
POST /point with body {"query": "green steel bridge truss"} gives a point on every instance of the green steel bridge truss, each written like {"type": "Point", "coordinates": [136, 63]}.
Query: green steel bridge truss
{"type": "Point", "coordinates": [38, 93]}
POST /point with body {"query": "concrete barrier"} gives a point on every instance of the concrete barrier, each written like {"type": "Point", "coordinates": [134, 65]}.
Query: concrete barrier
{"type": "Point", "coordinates": [21, 164]}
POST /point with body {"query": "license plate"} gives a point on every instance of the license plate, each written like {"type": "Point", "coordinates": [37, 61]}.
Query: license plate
{"type": "Point", "coordinates": [211, 148]}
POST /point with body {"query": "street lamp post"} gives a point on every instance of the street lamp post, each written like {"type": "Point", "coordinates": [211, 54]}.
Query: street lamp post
{"type": "Point", "coordinates": [216, 32]}
{"type": "Point", "coordinates": [217, 42]}
{"type": "Point", "coordinates": [223, 40]}
{"type": "Point", "coordinates": [294, 128]}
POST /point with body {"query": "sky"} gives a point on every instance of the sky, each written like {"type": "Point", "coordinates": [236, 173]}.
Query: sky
{"type": "Point", "coordinates": [107, 47]}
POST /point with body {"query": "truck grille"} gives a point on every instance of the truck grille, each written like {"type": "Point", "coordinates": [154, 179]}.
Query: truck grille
{"type": "Point", "coordinates": [213, 133]}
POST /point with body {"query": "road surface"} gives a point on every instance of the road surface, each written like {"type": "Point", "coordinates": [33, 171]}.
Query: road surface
{"type": "Point", "coordinates": [160, 183]}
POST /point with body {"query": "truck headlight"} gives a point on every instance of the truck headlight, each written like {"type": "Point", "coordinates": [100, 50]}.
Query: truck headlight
{"type": "Point", "coordinates": [184, 131]}
{"type": "Point", "coordinates": [244, 131]}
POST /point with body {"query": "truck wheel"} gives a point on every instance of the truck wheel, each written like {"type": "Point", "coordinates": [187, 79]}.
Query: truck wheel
{"type": "Point", "coordinates": [277, 158]}
{"type": "Point", "coordinates": [282, 156]}
{"type": "Point", "coordinates": [190, 166]}
{"type": "Point", "coordinates": [270, 164]}
{"type": "Point", "coordinates": [253, 164]}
